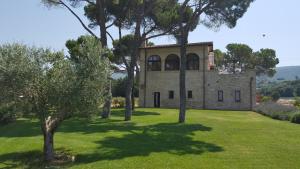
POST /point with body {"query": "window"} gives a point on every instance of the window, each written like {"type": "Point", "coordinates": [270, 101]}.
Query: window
{"type": "Point", "coordinates": [237, 96]}
{"type": "Point", "coordinates": [192, 62]}
{"type": "Point", "coordinates": [154, 63]}
{"type": "Point", "coordinates": [172, 62]}
{"type": "Point", "coordinates": [220, 95]}
{"type": "Point", "coordinates": [190, 94]}
{"type": "Point", "coordinates": [171, 94]}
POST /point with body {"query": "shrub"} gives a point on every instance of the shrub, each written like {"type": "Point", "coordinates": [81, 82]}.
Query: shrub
{"type": "Point", "coordinates": [275, 96]}
{"type": "Point", "coordinates": [7, 115]}
{"type": "Point", "coordinates": [296, 118]}
{"type": "Point", "coordinates": [275, 110]}
{"type": "Point", "coordinates": [297, 102]}
{"type": "Point", "coordinates": [266, 99]}
{"type": "Point", "coordinates": [118, 102]}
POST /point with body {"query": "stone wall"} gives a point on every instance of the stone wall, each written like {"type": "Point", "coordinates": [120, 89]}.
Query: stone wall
{"type": "Point", "coordinates": [229, 83]}
{"type": "Point", "coordinates": [165, 81]}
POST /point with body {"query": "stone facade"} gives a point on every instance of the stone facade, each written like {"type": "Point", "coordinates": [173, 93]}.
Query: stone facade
{"type": "Point", "coordinates": [208, 89]}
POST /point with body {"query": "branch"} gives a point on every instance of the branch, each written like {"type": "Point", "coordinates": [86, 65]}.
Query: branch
{"type": "Point", "coordinates": [112, 39]}
{"type": "Point", "coordinates": [90, 2]}
{"type": "Point", "coordinates": [78, 18]}
{"type": "Point", "coordinates": [160, 34]}
{"type": "Point", "coordinates": [110, 25]}
{"type": "Point", "coordinates": [125, 62]}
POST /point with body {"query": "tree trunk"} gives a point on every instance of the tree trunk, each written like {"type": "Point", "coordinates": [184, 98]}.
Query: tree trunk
{"type": "Point", "coordinates": [107, 104]}
{"type": "Point", "coordinates": [128, 96]}
{"type": "Point", "coordinates": [182, 78]}
{"type": "Point", "coordinates": [48, 146]}
{"type": "Point", "coordinates": [101, 21]}
{"type": "Point", "coordinates": [132, 96]}
{"type": "Point", "coordinates": [48, 127]}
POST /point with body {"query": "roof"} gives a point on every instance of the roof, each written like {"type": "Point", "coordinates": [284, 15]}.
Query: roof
{"type": "Point", "coordinates": [177, 45]}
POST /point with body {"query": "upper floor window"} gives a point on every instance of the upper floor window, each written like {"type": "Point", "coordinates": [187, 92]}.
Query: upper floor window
{"type": "Point", "coordinates": [237, 96]}
{"type": "Point", "coordinates": [154, 63]}
{"type": "Point", "coordinates": [172, 62]}
{"type": "Point", "coordinates": [192, 62]}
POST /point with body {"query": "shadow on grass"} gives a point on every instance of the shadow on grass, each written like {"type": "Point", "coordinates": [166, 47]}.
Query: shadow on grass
{"type": "Point", "coordinates": [120, 113]}
{"type": "Point", "coordinates": [34, 159]}
{"type": "Point", "coordinates": [21, 128]}
{"type": "Point", "coordinates": [134, 140]}
{"type": "Point", "coordinates": [28, 160]}
{"type": "Point", "coordinates": [170, 138]}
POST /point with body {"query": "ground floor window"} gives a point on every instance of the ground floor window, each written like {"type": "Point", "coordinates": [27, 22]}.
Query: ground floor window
{"type": "Point", "coordinates": [190, 94]}
{"type": "Point", "coordinates": [220, 95]}
{"type": "Point", "coordinates": [171, 94]}
{"type": "Point", "coordinates": [237, 96]}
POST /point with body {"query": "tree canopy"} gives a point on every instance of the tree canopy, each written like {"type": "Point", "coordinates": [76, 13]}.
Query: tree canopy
{"type": "Point", "coordinates": [241, 57]}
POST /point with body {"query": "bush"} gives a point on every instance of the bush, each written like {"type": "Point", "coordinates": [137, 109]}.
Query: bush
{"type": "Point", "coordinates": [118, 102]}
{"type": "Point", "coordinates": [297, 102]}
{"type": "Point", "coordinates": [7, 115]}
{"type": "Point", "coordinates": [275, 110]}
{"type": "Point", "coordinates": [266, 99]}
{"type": "Point", "coordinates": [275, 96]}
{"type": "Point", "coordinates": [296, 118]}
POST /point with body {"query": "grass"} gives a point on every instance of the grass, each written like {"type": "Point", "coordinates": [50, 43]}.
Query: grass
{"type": "Point", "coordinates": [209, 139]}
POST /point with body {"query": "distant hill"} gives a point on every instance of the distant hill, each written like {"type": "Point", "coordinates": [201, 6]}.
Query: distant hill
{"type": "Point", "coordinates": [283, 74]}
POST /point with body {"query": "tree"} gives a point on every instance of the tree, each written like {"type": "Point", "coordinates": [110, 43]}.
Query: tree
{"type": "Point", "coordinates": [219, 58]}
{"type": "Point", "coordinates": [266, 61]}
{"type": "Point", "coordinates": [215, 13]}
{"type": "Point", "coordinates": [297, 93]}
{"type": "Point", "coordinates": [96, 12]}
{"type": "Point", "coordinates": [146, 19]}
{"type": "Point", "coordinates": [57, 87]}
{"type": "Point", "coordinates": [238, 56]}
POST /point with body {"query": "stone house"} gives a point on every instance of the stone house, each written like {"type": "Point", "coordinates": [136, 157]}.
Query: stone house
{"type": "Point", "coordinates": [206, 87]}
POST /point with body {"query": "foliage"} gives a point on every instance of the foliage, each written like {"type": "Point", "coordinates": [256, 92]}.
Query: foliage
{"type": "Point", "coordinates": [241, 57]}
{"type": "Point", "coordinates": [219, 58]}
{"type": "Point", "coordinates": [119, 88]}
{"type": "Point", "coordinates": [7, 114]}
{"type": "Point", "coordinates": [56, 87]}
{"type": "Point", "coordinates": [275, 96]}
{"type": "Point", "coordinates": [266, 99]}
{"type": "Point", "coordinates": [238, 56]}
{"type": "Point", "coordinates": [275, 110]}
{"type": "Point", "coordinates": [118, 102]}
{"type": "Point", "coordinates": [285, 88]}
{"type": "Point", "coordinates": [297, 91]}
{"type": "Point", "coordinates": [296, 118]}
{"type": "Point", "coordinates": [297, 102]}
{"type": "Point", "coordinates": [266, 61]}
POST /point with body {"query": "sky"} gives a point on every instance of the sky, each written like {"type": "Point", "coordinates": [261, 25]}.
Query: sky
{"type": "Point", "coordinates": [30, 22]}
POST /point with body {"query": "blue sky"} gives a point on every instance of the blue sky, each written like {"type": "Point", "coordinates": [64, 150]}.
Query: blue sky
{"type": "Point", "coordinates": [29, 22]}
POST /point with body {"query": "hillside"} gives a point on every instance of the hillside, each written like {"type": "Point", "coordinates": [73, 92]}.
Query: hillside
{"type": "Point", "coordinates": [283, 74]}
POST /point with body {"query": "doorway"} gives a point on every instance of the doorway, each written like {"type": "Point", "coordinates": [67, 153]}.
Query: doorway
{"type": "Point", "coordinates": [156, 99]}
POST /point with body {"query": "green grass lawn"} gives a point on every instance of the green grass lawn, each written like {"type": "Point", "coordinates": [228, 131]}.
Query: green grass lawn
{"type": "Point", "coordinates": [154, 139]}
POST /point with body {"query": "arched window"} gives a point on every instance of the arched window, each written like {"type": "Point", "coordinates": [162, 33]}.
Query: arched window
{"type": "Point", "coordinates": [154, 63]}
{"type": "Point", "coordinates": [172, 62]}
{"type": "Point", "coordinates": [192, 62]}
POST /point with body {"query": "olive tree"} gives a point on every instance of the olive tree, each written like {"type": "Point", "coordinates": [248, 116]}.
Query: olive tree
{"type": "Point", "coordinates": [56, 86]}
